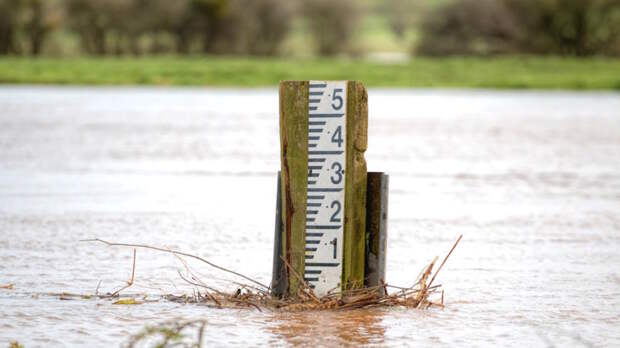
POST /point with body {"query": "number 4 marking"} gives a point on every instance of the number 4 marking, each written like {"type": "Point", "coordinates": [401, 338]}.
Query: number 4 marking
{"type": "Point", "coordinates": [337, 136]}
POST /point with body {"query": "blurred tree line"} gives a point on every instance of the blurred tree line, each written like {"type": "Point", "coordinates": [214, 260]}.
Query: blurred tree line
{"type": "Point", "coordinates": [255, 27]}
{"type": "Point", "coordinates": [484, 27]}
{"type": "Point", "coordinates": [259, 27]}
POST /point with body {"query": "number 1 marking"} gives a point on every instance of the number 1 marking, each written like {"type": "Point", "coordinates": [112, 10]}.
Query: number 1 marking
{"type": "Point", "coordinates": [334, 242]}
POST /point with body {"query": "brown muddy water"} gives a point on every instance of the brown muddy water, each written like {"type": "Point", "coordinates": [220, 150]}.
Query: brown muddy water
{"type": "Point", "coordinates": [532, 180]}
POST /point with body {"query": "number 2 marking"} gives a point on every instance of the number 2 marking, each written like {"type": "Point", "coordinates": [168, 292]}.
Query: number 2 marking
{"type": "Point", "coordinates": [335, 217]}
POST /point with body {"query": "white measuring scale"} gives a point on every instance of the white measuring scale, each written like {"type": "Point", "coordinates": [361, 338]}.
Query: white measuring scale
{"type": "Point", "coordinates": [327, 114]}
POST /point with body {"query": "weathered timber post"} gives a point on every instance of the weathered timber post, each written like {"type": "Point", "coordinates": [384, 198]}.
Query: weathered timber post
{"type": "Point", "coordinates": [323, 136]}
{"type": "Point", "coordinates": [321, 227]}
{"type": "Point", "coordinates": [355, 183]}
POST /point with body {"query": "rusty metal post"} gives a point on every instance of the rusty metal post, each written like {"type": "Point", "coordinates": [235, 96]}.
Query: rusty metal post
{"type": "Point", "coordinates": [279, 280]}
{"type": "Point", "coordinates": [376, 229]}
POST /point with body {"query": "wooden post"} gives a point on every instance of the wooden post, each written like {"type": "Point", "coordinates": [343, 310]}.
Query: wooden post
{"type": "Point", "coordinates": [294, 172]}
{"type": "Point", "coordinates": [294, 144]}
{"type": "Point", "coordinates": [355, 183]}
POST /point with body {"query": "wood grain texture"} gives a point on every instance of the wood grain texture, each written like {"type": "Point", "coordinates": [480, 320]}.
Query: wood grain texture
{"type": "Point", "coordinates": [294, 174]}
{"type": "Point", "coordinates": [355, 187]}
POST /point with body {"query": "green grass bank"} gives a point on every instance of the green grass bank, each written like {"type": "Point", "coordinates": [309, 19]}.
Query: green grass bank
{"type": "Point", "coordinates": [457, 72]}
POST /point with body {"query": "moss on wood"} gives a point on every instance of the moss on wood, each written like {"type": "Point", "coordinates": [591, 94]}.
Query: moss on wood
{"type": "Point", "coordinates": [294, 172]}
{"type": "Point", "coordinates": [355, 186]}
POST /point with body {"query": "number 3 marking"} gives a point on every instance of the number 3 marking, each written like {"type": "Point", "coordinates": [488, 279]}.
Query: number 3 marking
{"type": "Point", "coordinates": [337, 171]}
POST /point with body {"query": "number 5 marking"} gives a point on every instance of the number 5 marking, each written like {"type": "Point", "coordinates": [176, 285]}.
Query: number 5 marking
{"type": "Point", "coordinates": [336, 97]}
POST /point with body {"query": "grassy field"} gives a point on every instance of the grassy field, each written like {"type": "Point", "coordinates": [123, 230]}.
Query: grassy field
{"type": "Point", "coordinates": [505, 72]}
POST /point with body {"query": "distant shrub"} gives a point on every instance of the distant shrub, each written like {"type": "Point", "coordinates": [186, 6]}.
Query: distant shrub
{"type": "Point", "coordinates": [95, 20]}
{"type": "Point", "coordinates": [332, 23]}
{"type": "Point", "coordinates": [25, 24]}
{"type": "Point", "coordinates": [577, 27]}
{"type": "Point", "coordinates": [401, 15]}
{"type": "Point", "coordinates": [468, 27]}
{"type": "Point", "coordinates": [9, 12]}
{"type": "Point", "coordinates": [266, 23]}
{"type": "Point", "coordinates": [39, 18]}
{"type": "Point", "coordinates": [248, 27]}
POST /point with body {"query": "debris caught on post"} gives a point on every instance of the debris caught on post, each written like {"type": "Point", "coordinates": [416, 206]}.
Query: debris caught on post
{"type": "Point", "coordinates": [420, 295]}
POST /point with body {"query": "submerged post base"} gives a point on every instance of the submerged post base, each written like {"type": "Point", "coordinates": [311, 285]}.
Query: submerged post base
{"type": "Point", "coordinates": [376, 236]}
{"type": "Point", "coordinates": [376, 229]}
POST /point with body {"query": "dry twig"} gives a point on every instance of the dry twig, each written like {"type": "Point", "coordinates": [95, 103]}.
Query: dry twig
{"type": "Point", "coordinates": [177, 253]}
{"type": "Point", "coordinates": [416, 296]}
{"type": "Point", "coordinates": [130, 281]}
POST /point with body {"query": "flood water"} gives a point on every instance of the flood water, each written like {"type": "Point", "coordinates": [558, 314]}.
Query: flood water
{"type": "Point", "coordinates": [532, 180]}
